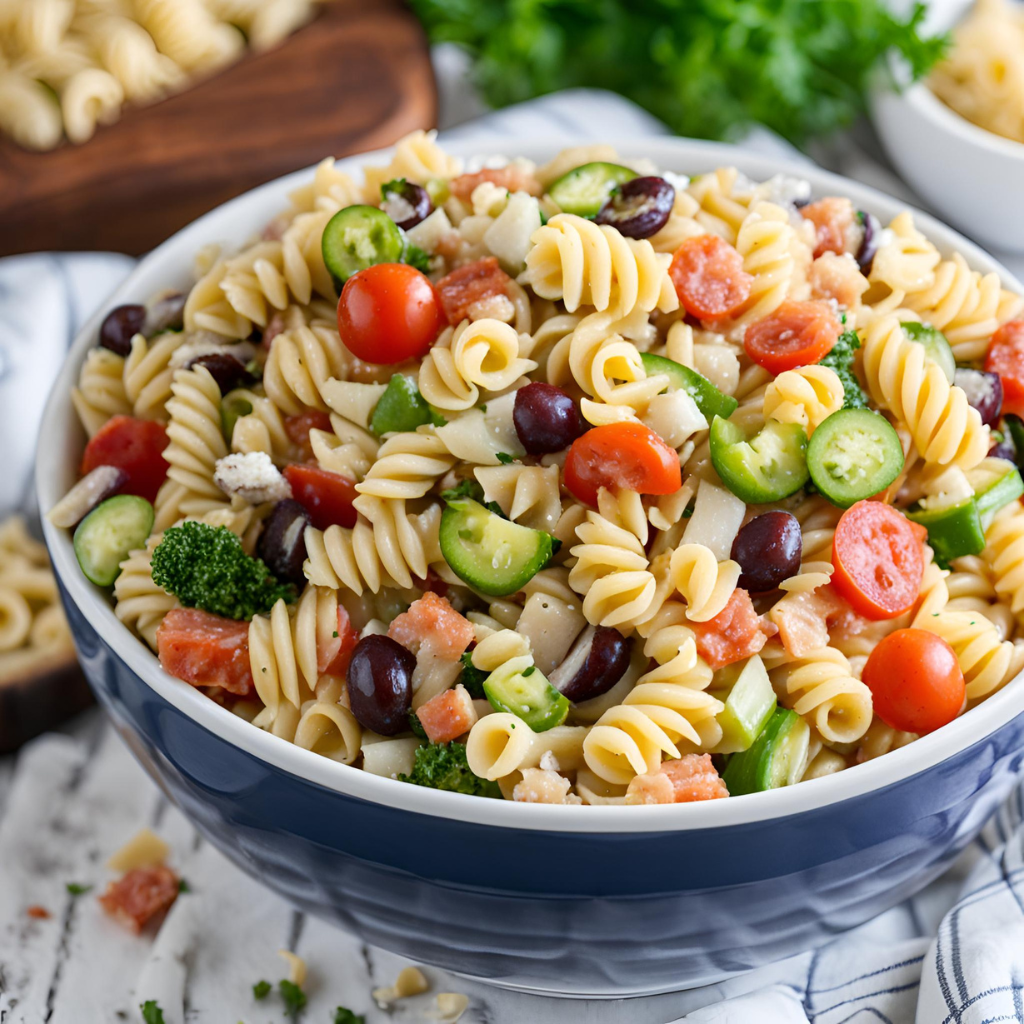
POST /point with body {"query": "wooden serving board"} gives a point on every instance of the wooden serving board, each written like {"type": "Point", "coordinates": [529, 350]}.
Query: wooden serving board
{"type": "Point", "coordinates": [356, 78]}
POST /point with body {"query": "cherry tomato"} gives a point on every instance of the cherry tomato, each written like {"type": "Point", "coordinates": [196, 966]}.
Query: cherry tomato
{"type": "Point", "coordinates": [915, 681]}
{"type": "Point", "coordinates": [878, 558]}
{"type": "Point", "coordinates": [298, 427]}
{"type": "Point", "coordinates": [796, 334]}
{"type": "Point", "coordinates": [333, 657]}
{"type": "Point", "coordinates": [389, 313]}
{"type": "Point", "coordinates": [709, 277]}
{"type": "Point", "coordinates": [134, 446]}
{"type": "Point", "coordinates": [621, 456]}
{"type": "Point", "coordinates": [327, 497]}
{"type": "Point", "coordinates": [1006, 357]}
{"type": "Point", "coordinates": [469, 284]}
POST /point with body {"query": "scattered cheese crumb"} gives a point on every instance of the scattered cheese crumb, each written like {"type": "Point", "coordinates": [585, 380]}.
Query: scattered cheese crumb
{"type": "Point", "coordinates": [450, 1007]}
{"type": "Point", "coordinates": [252, 477]}
{"type": "Point", "coordinates": [296, 967]}
{"type": "Point", "coordinates": [145, 850]}
{"type": "Point", "coordinates": [411, 981]}
{"type": "Point", "coordinates": [207, 343]}
{"type": "Point", "coordinates": [495, 307]}
{"type": "Point", "coordinates": [543, 786]}
{"type": "Point", "coordinates": [548, 761]}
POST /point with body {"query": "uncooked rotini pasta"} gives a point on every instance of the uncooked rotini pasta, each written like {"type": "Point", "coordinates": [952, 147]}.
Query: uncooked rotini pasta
{"type": "Point", "coordinates": [600, 504]}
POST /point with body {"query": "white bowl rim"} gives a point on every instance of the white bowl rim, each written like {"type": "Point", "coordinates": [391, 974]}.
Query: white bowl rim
{"type": "Point", "coordinates": [919, 97]}
{"type": "Point", "coordinates": [54, 472]}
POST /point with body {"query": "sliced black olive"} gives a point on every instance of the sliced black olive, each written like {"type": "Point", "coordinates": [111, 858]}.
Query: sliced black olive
{"type": "Point", "coordinates": [869, 243]}
{"type": "Point", "coordinates": [406, 203]}
{"type": "Point", "coordinates": [597, 661]}
{"type": "Point", "coordinates": [639, 207]}
{"type": "Point", "coordinates": [282, 544]}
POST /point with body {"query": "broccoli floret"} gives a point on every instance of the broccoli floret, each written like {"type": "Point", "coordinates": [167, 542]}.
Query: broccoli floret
{"type": "Point", "coordinates": [472, 678]}
{"type": "Point", "coordinates": [444, 766]}
{"type": "Point", "coordinates": [205, 567]}
{"type": "Point", "coordinates": [840, 359]}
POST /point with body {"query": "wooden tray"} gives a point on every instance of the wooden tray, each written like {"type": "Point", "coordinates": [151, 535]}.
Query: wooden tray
{"type": "Point", "coordinates": [357, 78]}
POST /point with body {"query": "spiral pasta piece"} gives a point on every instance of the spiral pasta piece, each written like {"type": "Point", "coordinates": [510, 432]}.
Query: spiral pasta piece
{"type": "Point", "coordinates": [148, 375]}
{"type": "Point", "coordinates": [330, 730]}
{"type": "Point", "coordinates": [904, 265]}
{"type": "Point", "coordinates": [822, 688]}
{"type": "Point", "coordinates": [500, 744]}
{"type": "Point", "coordinates": [583, 263]}
{"type": "Point", "coordinates": [1004, 553]}
{"type": "Point", "coordinates": [141, 604]}
{"type": "Point", "coordinates": [407, 466]}
{"type": "Point", "coordinates": [526, 494]}
{"type": "Point", "coordinates": [807, 395]}
{"type": "Point", "coordinates": [722, 203]}
{"type": "Point", "coordinates": [704, 582]}
{"type": "Point", "coordinates": [195, 438]}
{"type": "Point", "coordinates": [301, 361]}
{"type": "Point", "coordinates": [901, 377]}
{"type": "Point", "coordinates": [100, 393]}
{"type": "Point", "coordinates": [477, 354]}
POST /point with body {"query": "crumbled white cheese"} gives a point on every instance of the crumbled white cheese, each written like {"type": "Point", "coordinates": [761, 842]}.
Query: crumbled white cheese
{"type": "Point", "coordinates": [207, 343]}
{"type": "Point", "coordinates": [548, 761]}
{"type": "Point", "coordinates": [784, 190]}
{"type": "Point", "coordinates": [252, 477]}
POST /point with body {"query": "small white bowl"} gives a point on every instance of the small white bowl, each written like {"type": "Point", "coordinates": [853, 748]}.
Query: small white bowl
{"type": "Point", "coordinates": [971, 176]}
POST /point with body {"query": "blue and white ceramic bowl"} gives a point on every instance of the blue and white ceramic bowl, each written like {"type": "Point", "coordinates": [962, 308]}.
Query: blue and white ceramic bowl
{"type": "Point", "coordinates": [568, 900]}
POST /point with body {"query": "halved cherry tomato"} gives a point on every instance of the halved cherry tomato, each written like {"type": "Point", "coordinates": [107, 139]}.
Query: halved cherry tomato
{"type": "Point", "coordinates": [389, 313]}
{"type": "Point", "coordinates": [1006, 357]}
{"type": "Point", "coordinates": [298, 427]}
{"type": "Point", "coordinates": [469, 284]}
{"type": "Point", "coordinates": [709, 277]}
{"type": "Point", "coordinates": [134, 446]}
{"type": "Point", "coordinates": [879, 560]}
{"type": "Point", "coordinates": [735, 633]}
{"type": "Point", "coordinates": [206, 650]}
{"type": "Point", "coordinates": [796, 334]}
{"type": "Point", "coordinates": [621, 456]}
{"type": "Point", "coordinates": [333, 657]}
{"type": "Point", "coordinates": [915, 680]}
{"type": "Point", "coordinates": [326, 496]}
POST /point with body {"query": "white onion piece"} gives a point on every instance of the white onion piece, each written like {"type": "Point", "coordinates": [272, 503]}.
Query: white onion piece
{"type": "Point", "coordinates": [717, 518]}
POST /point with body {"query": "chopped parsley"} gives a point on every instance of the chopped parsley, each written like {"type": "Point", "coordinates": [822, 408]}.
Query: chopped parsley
{"type": "Point", "coordinates": [293, 996]}
{"type": "Point", "coordinates": [261, 989]}
{"type": "Point", "coordinates": [840, 359]}
{"type": "Point", "coordinates": [77, 889]}
{"type": "Point", "coordinates": [151, 1012]}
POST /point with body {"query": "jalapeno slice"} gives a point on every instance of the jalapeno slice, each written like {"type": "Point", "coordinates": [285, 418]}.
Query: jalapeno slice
{"type": "Point", "coordinates": [996, 483]}
{"type": "Point", "coordinates": [495, 556]}
{"type": "Point", "coordinates": [935, 344]}
{"type": "Point", "coordinates": [767, 467]}
{"type": "Point", "coordinates": [358, 237]}
{"type": "Point", "coordinates": [707, 397]}
{"type": "Point", "coordinates": [520, 688]}
{"type": "Point", "coordinates": [854, 454]}
{"type": "Point", "coordinates": [584, 189]}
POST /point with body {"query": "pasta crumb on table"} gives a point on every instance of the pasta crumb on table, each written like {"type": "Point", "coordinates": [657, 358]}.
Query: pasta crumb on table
{"type": "Point", "coordinates": [585, 494]}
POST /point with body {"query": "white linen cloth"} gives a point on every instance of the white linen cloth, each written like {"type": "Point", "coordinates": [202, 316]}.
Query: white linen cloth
{"type": "Point", "coordinates": [952, 955]}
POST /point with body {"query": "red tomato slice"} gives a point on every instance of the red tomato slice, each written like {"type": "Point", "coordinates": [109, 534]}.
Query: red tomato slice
{"type": "Point", "coordinates": [735, 633]}
{"type": "Point", "coordinates": [796, 334]}
{"type": "Point", "coordinates": [298, 427]}
{"type": "Point", "coordinates": [206, 650]}
{"type": "Point", "coordinates": [915, 681]}
{"type": "Point", "coordinates": [389, 313]}
{"type": "Point", "coordinates": [334, 658]}
{"type": "Point", "coordinates": [879, 561]}
{"type": "Point", "coordinates": [326, 496]}
{"type": "Point", "coordinates": [448, 715]}
{"type": "Point", "coordinates": [1006, 357]}
{"type": "Point", "coordinates": [134, 446]}
{"type": "Point", "coordinates": [472, 283]}
{"type": "Point", "coordinates": [621, 456]}
{"type": "Point", "coordinates": [834, 220]}
{"type": "Point", "coordinates": [709, 277]}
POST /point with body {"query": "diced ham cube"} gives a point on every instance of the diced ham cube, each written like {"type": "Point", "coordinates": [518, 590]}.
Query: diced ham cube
{"type": "Point", "coordinates": [679, 781]}
{"type": "Point", "coordinates": [448, 715]}
{"type": "Point", "coordinates": [735, 633]}
{"type": "Point", "coordinates": [206, 650]}
{"type": "Point", "coordinates": [432, 625]}
{"type": "Point", "coordinates": [836, 225]}
{"type": "Point", "coordinates": [140, 895]}
{"type": "Point", "coordinates": [469, 285]}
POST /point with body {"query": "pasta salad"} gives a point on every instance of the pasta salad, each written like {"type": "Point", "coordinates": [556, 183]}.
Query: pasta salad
{"type": "Point", "coordinates": [574, 483]}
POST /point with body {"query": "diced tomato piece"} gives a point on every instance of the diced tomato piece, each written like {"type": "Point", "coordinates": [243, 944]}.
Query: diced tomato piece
{"type": "Point", "coordinates": [298, 428]}
{"type": "Point", "coordinates": [796, 334]}
{"type": "Point", "coordinates": [448, 715]}
{"type": "Point", "coordinates": [326, 496]}
{"type": "Point", "coordinates": [513, 178]}
{"type": "Point", "coordinates": [134, 446]}
{"type": "Point", "coordinates": [333, 659]}
{"type": "Point", "coordinates": [735, 633]}
{"type": "Point", "coordinates": [709, 277]}
{"type": "Point", "coordinates": [879, 560]}
{"type": "Point", "coordinates": [141, 895]}
{"type": "Point", "coordinates": [206, 650]}
{"type": "Point", "coordinates": [621, 456]}
{"type": "Point", "coordinates": [694, 777]}
{"type": "Point", "coordinates": [470, 284]}
{"type": "Point", "coordinates": [432, 626]}
{"type": "Point", "coordinates": [38, 912]}
{"type": "Point", "coordinates": [835, 225]}
{"type": "Point", "coordinates": [1006, 357]}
